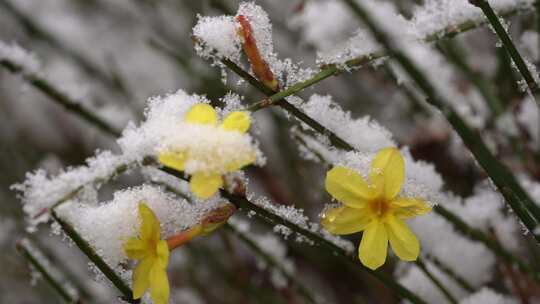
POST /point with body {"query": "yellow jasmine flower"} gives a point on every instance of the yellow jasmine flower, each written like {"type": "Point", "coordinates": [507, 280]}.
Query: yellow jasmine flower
{"type": "Point", "coordinates": [153, 252]}
{"type": "Point", "coordinates": [211, 155]}
{"type": "Point", "coordinates": [153, 255]}
{"type": "Point", "coordinates": [375, 208]}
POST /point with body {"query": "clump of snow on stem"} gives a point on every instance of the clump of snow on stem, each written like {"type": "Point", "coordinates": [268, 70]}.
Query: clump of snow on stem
{"type": "Point", "coordinates": [21, 58]}
{"type": "Point", "coordinates": [364, 133]}
{"type": "Point", "coordinates": [297, 217]}
{"type": "Point", "coordinates": [438, 16]}
{"type": "Point", "coordinates": [106, 226]}
{"type": "Point", "coordinates": [164, 121]}
{"type": "Point", "coordinates": [486, 295]}
{"type": "Point", "coordinates": [217, 38]}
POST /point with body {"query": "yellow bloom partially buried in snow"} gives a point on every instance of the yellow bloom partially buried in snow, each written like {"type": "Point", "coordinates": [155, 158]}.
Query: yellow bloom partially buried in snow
{"type": "Point", "coordinates": [215, 150]}
{"type": "Point", "coordinates": [376, 208]}
{"type": "Point", "coordinates": [153, 255]}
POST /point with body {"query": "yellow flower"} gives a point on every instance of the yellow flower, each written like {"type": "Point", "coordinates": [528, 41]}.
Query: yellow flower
{"type": "Point", "coordinates": [375, 208]}
{"type": "Point", "coordinates": [153, 255]}
{"type": "Point", "coordinates": [205, 183]}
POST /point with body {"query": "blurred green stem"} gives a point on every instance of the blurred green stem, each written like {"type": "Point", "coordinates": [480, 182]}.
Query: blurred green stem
{"type": "Point", "coordinates": [94, 257]}
{"type": "Point", "coordinates": [32, 254]}
{"type": "Point", "coordinates": [524, 207]}
{"type": "Point", "coordinates": [452, 274]}
{"type": "Point", "coordinates": [420, 263]}
{"type": "Point", "coordinates": [60, 98]}
{"type": "Point", "coordinates": [508, 44]}
{"type": "Point", "coordinates": [305, 292]}
{"type": "Point", "coordinates": [455, 53]}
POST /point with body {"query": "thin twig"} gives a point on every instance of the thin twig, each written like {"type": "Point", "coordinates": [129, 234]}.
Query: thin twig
{"type": "Point", "coordinates": [94, 257]}
{"type": "Point", "coordinates": [436, 281]}
{"type": "Point", "coordinates": [507, 43]}
{"type": "Point", "coordinates": [502, 177]}
{"type": "Point", "coordinates": [35, 258]}
{"type": "Point", "coordinates": [60, 98]}
{"type": "Point", "coordinates": [304, 291]}
{"type": "Point", "coordinates": [245, 205]}
{"type": "Point", "coordinates": [462, 282]}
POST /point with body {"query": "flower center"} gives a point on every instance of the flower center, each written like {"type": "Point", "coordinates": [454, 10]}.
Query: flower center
{"type": "Point", "coordinates": [379, 207]}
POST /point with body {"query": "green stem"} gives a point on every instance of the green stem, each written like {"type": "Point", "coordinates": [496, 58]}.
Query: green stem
{"type": "Point", "coordinates": [37, 31]}
{"type": "Point", "coordinates": [275, 99]}
{"type": "Point", "coordinates": [60, 98]}
{"type": "Point", "coordinates": [94, 257]}
{"type": "Point", "coordinates": [503, 178]}
{"type": "Point", "coordinates": [457, 55]}
{"type": "Point", "coordinates": [452, 274]}
{"type": "Point", "coordinates": [469, 232]}
{"type": "Point", "coordinates": [243, 204]}
{"type": "Point", "coordinates": [304, 291]}
{"type": "Point", "coordinates": [30, 253]}
{"type": "Point", "coordinates": [507, 43]}
{"type": "Point", "coordinates": [478, 235]}
{"type": "Point", "coordinates": [436, 281]}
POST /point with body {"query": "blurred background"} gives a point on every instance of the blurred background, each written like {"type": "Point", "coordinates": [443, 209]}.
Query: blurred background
{"type": "Point", "coordinates": [111, 56]}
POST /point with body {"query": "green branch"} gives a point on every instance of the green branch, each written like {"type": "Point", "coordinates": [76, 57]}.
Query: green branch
{"type": "Point", "coordinates": [452, 274]}
{"type": "Point", "coordinates": [304, 291]}
{"type": "Point", "coordinates": [436, 281]}
{"type": "Point", "coordinates": [37, 31]}
{"type": "Point", "coordinates": [60, 98]}
{"type": "Point", "coordinates": [478, 235]}
{"type": "Point", "coordinates": [243, 204]}
{"type": "Point", "coordinates": [502, 177]}
{"type": "Point", "coordinates": [507, 43]}
{"type": "Point", "coordinates": [94, 257]}
{"type": "Point", "coordinates": [36, 259]}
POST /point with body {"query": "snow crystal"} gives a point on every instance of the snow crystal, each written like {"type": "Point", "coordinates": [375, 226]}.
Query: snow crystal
{"type": "Point", "coordinates": [467, 258]}
{"type": "Point", "coordinates": [217, 38]}
{"type": "Point", "coordinates": [486, 295]}
{"type": "Point", "coordinates": [417, 281]}
{"type": "Point", "coordinates": [325, 24]}
{"type": "Point", "coordinates": [164, 122]}
{"type": "Point", "coordinates": [363, 133]}
{"type": "Point", "coordinates": [527, 117]}
{"type": "Point", "coordinates": [484, 210]}
{"type": "Point", "coordinates": [437, 16]}
{"type": "Point", "coordinates": [298, 218]}
{"type": "Point", "coordinates": [107, 226]}
{"type": "Point", "coordinates": [529, 45]}
{"type": "Point", "coordinates": [24, 60]}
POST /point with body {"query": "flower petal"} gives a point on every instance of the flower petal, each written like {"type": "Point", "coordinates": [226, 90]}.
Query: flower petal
{"type": "Point", "coordinates": [348, 187]}
{"type": "Point", "coordinates": [403, 241]}
{"type": "Point", "coordinates": [405, 208]}
{"type": "Point", "coordinates": [150, 227]}
{"type": "Point", "coordinates": [174, 160]}
{"type": "Point", "coordinates": [135, 248]}
{"type": "Point", "coordinates": [202, 113]}
{"type": "Point", "coordinates": [162, 252]}
{"type": "Point", "coordinates": [205, 185]}
{"type": "Point", "coordinates": [237, 121]}
{"type": "Point", "coordinates": [374, 245]}
{"type": "Point", "coordinates": [141, 277]}
{"type": "Point", "coordinates": [159, 285]}
{"type": "Point", "coordinates": [237, 164]}
{"type": "Point", "coordinates": [345, 220]}
{"type": "Point", "coordinates": [387, 172]}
